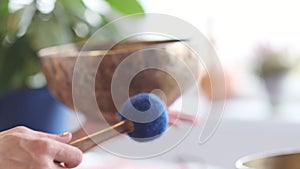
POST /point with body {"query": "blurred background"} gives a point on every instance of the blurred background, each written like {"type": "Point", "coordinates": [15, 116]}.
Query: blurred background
{"type": "Point", "coordinates": [256, 41]}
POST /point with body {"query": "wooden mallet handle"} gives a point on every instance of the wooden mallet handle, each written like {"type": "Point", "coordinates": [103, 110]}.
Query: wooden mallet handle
{"type": "Point", "coordinates": [90, 141]}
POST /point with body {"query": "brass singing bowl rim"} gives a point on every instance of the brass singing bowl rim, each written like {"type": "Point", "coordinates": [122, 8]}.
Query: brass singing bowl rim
{"type": "Point", "coordinates": [78, 49]}
{"type": "Point", "coordinates": [243, 162]}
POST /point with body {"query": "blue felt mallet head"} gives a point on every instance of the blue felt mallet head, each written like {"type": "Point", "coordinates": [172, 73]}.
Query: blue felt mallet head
{"type": "Point", "coordinates": [144, 118]}
{"type": "Point", "coordinates": [148, 114]}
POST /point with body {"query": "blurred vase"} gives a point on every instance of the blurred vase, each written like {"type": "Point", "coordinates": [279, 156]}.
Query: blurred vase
{"type": "Point", "coordinates": [33, 108]}
{"type": "Point", "coordinates": [273, 83]}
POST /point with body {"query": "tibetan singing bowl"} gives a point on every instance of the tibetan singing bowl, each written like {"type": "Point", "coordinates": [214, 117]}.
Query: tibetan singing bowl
{"type": "Point", "coordinates": [287, 160]}
{"type": "Point", "coordinates": [100, 62]}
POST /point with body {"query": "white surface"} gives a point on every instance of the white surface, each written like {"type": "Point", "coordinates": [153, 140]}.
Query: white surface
{"type": "Point", "coordinates": [100, 160]}
{"type": "Point", "coordinates": [232, 140]}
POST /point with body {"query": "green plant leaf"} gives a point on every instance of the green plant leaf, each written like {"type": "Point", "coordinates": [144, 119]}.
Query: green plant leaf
{"type": "Point", "coordinates": [3, 8]}
{"type": "Point", "coordinates": [13, 21]}
{"type": "Point", "coordinates": [54, 31]}
{"type": "Point", "coordinates": [73, 9]}
{"type": "Point", "coordinates": [126, 7]}
{"type": "Point", "coordinates": [19, 61]}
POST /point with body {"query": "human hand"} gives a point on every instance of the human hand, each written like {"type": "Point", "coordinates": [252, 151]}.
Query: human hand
{"type": "Point", "coordinates": [24, 148]}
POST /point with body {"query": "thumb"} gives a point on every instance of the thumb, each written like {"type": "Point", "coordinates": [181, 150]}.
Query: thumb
{"type": "Point", "coordinates": [64, 137]}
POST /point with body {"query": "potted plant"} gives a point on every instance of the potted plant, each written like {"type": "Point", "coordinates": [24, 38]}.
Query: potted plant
{"type": "Point", "coordinates": [25, 28]}
{"type": "Point", "coordinates": [271, 66]}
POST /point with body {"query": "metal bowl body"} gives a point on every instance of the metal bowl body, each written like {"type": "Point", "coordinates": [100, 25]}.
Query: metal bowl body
{"type": "Point", "coordinates": [283, 160]}
{"type": "Point", "coordinates": [175, 58]}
